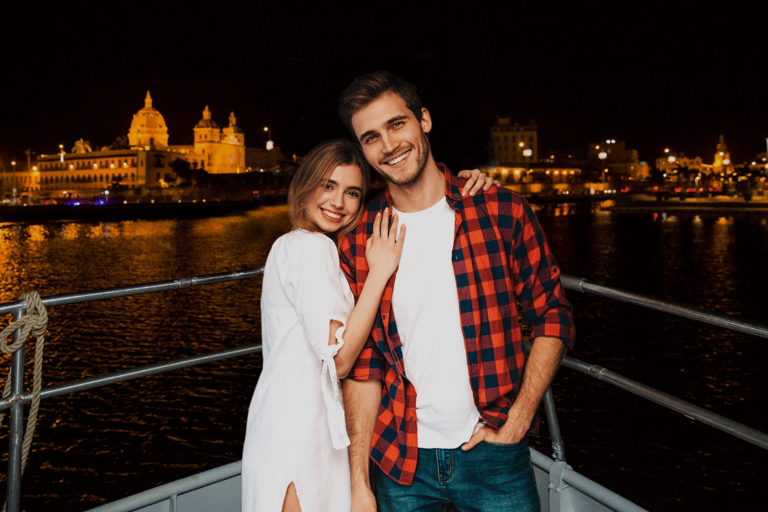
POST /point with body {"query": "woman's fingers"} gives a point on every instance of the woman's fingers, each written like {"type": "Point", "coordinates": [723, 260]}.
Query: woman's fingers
{"type": "Point", "coordinates": [376, 225]}
{"type": "Point", "coordinates": [401, 237]}
{"type": "Point", "coordinates": [384, 224]}
{"type": "Point", "coordinates": [385, 227]}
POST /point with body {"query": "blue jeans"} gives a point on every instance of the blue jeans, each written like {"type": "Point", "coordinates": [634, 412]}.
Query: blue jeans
{"type": "Point", "coordinates": [488, 478]}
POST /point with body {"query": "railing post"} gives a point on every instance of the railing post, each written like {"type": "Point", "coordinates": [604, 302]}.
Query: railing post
{"type": "Point", "coordinates": [558, 447]}
{"type": "Point", "coordinates": [16, 420]}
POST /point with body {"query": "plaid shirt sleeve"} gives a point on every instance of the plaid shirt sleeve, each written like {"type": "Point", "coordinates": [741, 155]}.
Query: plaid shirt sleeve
{"type": "Point", "coordinates": [537, 277]}
{"type": "Point", "coordinates": [500, 255]}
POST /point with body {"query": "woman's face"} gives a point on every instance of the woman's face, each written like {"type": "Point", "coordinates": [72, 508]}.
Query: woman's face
{"type": "Point", "coordinates": [337, 200]}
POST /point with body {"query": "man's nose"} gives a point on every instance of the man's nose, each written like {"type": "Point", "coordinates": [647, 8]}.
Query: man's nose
{"type": "Point", "coordinates": [389, 143]}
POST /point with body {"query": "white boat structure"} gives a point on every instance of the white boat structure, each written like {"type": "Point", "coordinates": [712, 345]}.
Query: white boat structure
{"type": "Point", "coordinates": [560, 487]}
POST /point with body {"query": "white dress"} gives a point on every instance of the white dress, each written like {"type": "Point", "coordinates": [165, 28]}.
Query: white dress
{"type": "Point", "coordinates": [296, 431]}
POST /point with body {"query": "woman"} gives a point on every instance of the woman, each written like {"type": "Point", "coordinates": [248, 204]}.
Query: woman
{"type": "Point", "coordinates": [295, 455]}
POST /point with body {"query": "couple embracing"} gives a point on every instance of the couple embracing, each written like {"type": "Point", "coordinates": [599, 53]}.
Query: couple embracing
{"type": "Point", "coordinates": [421, 323]}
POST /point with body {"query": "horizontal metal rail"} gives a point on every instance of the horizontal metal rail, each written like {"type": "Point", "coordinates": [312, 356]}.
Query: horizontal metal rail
{"type": "Point", "coordinates": [581, 285]}
{"type": "Point", "coordinates": [134, 373]}
{"type": "Point", "coordinates": [138, 289]}
{"type": "Point", "coordinates": [689, 410]}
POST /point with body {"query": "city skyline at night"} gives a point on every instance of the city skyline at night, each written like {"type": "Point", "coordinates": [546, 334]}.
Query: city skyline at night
{"type": "Point", "coordinates": [653, 75]}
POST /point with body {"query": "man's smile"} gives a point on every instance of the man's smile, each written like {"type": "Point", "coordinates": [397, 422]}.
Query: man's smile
{"type": "Point", "coordinates": [399, 158]}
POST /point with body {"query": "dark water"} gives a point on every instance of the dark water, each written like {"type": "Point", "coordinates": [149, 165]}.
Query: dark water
{"type": "Point", "coordinates": [95, 447]}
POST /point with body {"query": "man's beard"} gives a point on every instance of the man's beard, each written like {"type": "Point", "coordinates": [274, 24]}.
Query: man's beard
{"type": "Point", "coordinates": [421, 164]}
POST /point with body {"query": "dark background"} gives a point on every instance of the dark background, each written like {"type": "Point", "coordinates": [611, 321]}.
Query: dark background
{"type": "Point", "coordinates": [653, 74]}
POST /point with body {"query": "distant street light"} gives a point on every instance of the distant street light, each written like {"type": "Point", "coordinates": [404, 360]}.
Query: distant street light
{"type": "Point", "coordinates": [270, 144]}
{"type": "Point", "coordinates": [602, 156]}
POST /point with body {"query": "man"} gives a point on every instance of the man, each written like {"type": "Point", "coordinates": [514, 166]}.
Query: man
{"type": "Point", "coordinates": [449, 424]}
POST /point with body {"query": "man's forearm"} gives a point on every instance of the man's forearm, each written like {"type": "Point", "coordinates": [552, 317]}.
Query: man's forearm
{"type": "Point", "coordinates": [361, 405]}
{"type": "Point", "coordinates": [540, 370]}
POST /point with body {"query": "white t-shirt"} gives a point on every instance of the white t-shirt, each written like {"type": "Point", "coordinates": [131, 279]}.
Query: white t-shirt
{"type": "Point", "coordinates": [426, 307]}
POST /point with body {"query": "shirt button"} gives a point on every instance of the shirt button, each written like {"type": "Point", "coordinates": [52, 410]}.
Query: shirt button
{"type": "Point", "coordinates": [410, 418]}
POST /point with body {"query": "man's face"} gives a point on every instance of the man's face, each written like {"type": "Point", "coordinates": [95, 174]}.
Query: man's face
{"type": "Point", "coordinates": [394, 142]}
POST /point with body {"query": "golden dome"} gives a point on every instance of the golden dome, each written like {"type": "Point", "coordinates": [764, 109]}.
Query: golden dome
{"type": "Point", "coordinates": [148, 127]}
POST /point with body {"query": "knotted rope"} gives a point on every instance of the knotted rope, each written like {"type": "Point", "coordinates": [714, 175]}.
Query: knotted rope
{"type": "Point", "coordinates": [34, 322]}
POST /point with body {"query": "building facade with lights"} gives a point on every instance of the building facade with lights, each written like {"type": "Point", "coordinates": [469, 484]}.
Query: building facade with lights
{"type": "Point", "coordinates": [145, 162]}
{"type": "Point", "coordinates": [721, 163]}
{"type": "Point", "coordinates": [616, 158]}
{"type": "Point", "coordinates": [514, 144]}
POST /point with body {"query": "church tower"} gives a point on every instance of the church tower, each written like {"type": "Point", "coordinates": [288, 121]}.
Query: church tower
{"type": "Point", "coordinates": [233, 134]}
{"type": "Point", "coordinates": [206, 130]}
{"type": "Point", "coordinates": [722, 161]}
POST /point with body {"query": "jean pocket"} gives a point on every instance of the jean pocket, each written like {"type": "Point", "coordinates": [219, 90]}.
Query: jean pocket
{"type": "Point", "coordinates": [508, 446]}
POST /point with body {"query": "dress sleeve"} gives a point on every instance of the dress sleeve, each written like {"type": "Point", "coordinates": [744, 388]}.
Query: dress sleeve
{"type": "Point", "coordinates": [315, 285]}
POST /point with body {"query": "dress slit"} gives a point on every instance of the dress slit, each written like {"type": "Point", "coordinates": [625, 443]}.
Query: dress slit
{"type": "Point", "coordinates": [291, 502]}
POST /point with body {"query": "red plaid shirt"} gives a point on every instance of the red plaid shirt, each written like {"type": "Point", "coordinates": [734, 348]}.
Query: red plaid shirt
{"type": "Point", "coordinates": [499, 254]}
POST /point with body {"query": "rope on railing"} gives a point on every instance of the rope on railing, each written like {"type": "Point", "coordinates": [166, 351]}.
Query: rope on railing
{"type": "Point", "coordinates": [34, 322]}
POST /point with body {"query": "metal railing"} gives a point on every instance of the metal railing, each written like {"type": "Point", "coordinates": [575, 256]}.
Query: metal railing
{"type": "Point", "coordinates": [18, 397]}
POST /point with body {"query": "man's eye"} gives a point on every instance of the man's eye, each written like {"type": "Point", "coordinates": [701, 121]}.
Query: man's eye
{"type": "Point", "coordinates": [397, 124]}
{"type": "Point", "coordinates": [370, 139]}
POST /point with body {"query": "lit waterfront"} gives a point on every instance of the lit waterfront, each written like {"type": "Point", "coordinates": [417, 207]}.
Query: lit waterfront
{"type": "Point", "coordinates": [143, 433]}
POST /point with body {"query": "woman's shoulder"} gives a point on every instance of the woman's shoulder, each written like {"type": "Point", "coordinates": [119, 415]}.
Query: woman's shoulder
{"type": "Point", "coordinates": [300, 241]}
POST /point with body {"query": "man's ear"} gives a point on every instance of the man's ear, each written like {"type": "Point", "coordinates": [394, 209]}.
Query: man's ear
{"type": "Point", "coordinates": [426, 121]}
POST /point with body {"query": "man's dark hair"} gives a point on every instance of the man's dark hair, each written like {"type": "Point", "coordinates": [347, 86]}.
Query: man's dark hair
{"type": "Point", "coordinates": [367, 88]}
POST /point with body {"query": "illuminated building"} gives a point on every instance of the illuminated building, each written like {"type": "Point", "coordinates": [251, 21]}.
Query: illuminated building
{"type": "Point", "coordinates": [670, 163]}
{"type": "Point", "coordinates": [217, 150]}
{"type": "Point", "coordinates": [616, 158]}
{"type": "Point", "coordinates": [514, 144]}
{"type": "Point", "coordinates": [148, 129]}
{"type": "Point", "coordinates": [145, 161]}
{"type": "Point", "coordinates": [722, 161]}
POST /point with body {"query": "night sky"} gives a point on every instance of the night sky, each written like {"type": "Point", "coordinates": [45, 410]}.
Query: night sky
{"type": "Point", "coordinates": [653, 74]}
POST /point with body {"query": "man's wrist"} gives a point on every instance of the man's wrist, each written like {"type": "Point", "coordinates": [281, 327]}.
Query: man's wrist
{"type": "Point", "coordinates": [361, 485]}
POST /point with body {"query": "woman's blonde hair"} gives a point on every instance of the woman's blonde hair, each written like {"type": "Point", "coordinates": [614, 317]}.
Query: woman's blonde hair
{"type": "Point", "coordinates": [316, 167]}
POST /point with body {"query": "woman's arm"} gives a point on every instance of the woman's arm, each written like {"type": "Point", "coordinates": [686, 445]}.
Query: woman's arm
{"type": "Point", "coordinates": [382, 251]}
